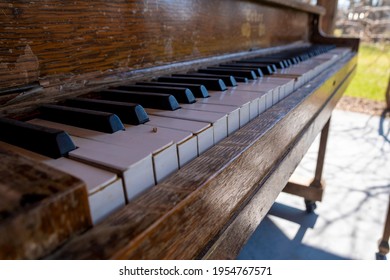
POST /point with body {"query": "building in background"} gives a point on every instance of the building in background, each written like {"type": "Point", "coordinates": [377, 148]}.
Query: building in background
{"type": "Point", "coordinates": [369, 20]}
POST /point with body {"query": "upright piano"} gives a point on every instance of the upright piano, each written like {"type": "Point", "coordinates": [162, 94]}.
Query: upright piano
{"type": "Point", "coordinates": [157, 129]}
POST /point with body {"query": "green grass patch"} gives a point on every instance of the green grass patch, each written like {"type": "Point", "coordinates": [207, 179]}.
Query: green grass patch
{"type": "Point", "coordinates": [372, 72]}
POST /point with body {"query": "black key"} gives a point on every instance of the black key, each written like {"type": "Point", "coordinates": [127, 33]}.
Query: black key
{"type": "Point", "coordinates": [274, 68]}
{"type": "Point", "coordinates": [303, 57]}
{"type": "Point", "coordinates": [285, 60]}
{"type": "Point", "coordinates": [183, 95]}
{"type": "Point", "coordinates": [49, 142]}
{"type": "Point", "coordinates": [264, 68]}
{"type": "Point", "coordinates": [130, 113]}
{"type": "Point", "coordinates": [89, 119]}
{"type": "Point", "coordinates": [288, 62]}
{"type": "Point", "coordinates": [233, 80]}
{"type": "Point", "coordinates": [257, 70]}
{"type": "Point", "coordinates": [278, 64]}
{"type": "Point", "coordinates": [228, 80]}
{"type": "Point", "coordinates": [210, 84]}
{"type": "Point", "coordinates": [146, 99]}
{"type": "Point", "coordinates": [199, 91]}
{"type": "Point", "coordinates": [295, 60]}
{"type": "Point", "coordinates": [225, 71]}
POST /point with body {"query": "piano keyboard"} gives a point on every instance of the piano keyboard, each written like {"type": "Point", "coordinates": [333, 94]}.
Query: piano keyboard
{"type": "Point", "coordinates": [185, 114]}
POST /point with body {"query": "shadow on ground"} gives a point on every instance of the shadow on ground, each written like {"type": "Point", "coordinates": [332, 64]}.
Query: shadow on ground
{"type": "Point", "coordinates": [349, 221]}
{"type": "Point", "coordinates": [271, 243]}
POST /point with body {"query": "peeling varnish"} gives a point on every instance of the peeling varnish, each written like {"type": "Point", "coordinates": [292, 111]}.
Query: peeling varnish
{"type": "Point", "coordinates": [26, 66]}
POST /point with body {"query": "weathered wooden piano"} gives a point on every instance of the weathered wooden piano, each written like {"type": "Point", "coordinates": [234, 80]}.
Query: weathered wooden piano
{"type": "Point", "coordinates": [157, 129]}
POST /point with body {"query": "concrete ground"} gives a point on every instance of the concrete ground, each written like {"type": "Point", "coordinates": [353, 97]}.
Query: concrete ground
{"type": "Point", "coordinates": [349, 221]}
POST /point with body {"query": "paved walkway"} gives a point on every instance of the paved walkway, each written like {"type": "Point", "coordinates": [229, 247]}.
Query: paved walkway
{"type": "Point", "coordinates": [350, 220]}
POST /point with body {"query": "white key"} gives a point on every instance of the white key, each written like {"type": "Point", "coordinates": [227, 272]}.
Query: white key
{"type": "Point", "coordinates": [217, 120]}
{"type": "Point", "coordinates": [243, 96]}
{"type": "Point", "coordinates": [187, 146]}
{"type": "Point", "coordinates": [280, 87]}
{"type": "Point", "coordinates": [309, 69]}
{"type": "Point", "coordinates": [135, 137]}
{"type": "Point", "coordinates": [269, 91]}
{"type": "Point", "coordinates": [134, 166]}
{"type": "Point", "coordinates": [232, 112]}
{"type": "Point", "coordinates": [247, 103]}
{"type": "Point", "coordinates": [106, 195]}
{"type": "Point", "coordinates": [202, 130]}
{"type": "Point", "coordinates": [135, 162]}
{"type": "Point", "coordinates": [105, 189]}
{"type": "Point", "coordinates": [286, 84]}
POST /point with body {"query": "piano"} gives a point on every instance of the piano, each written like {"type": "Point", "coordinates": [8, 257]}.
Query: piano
{"type": "Point", "coordinates": [158, 129]}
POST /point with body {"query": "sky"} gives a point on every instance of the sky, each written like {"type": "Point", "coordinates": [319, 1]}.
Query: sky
{"type": "Point", "coordinates": [343, 3]}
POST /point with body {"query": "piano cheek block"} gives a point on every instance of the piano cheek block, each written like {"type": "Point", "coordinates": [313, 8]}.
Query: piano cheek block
{"type": "Point", "coordinates": [51, 207]}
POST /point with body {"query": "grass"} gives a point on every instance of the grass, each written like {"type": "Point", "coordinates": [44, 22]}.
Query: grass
{"type": "Point", "coordinates": [372, 73]}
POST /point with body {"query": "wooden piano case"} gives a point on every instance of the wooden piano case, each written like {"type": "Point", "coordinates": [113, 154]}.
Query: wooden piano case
{"type": "Point", "coordinates": [210, 207]}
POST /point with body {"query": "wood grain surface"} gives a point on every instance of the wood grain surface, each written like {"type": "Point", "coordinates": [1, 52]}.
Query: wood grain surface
{"type": "Point", "coordinates": [69, 46]}
{"type": "Point", "coordinates": [40, 208]}
{"type": "Point", "coordinates": [182, 217]}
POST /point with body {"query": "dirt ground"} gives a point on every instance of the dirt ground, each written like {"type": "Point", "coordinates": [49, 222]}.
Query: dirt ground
{"type": "Point", "coordinates": [362, 105]}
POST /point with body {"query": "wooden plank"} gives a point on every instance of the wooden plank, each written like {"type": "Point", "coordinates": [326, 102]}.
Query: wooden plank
{"type": "Point", "coordinates": [305, 191]}
{"type": "Point", "coordinates": [178, 218]}
{"type": "Point", "coordinates": [40, 207]}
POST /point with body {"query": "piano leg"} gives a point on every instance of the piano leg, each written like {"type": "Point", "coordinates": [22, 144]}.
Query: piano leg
{"type": "Point", "coordinates": [315, 190]}
{"type": "Point", "coordinates": [384, 242]}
